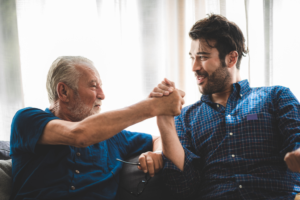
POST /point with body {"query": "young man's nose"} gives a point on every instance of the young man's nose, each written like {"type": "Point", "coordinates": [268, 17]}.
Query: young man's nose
{"type": "Point", "coordinates": [196, 65]}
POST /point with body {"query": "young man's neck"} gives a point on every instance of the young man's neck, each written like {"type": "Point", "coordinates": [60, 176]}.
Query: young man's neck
{"type": "Point", "coordinates": [222, 97]}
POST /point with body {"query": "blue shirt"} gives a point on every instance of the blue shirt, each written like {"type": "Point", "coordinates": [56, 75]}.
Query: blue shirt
{"type": "Point", "coordinates": [66, 172]}
{"type": "Point", "coordinates": [237, 151]}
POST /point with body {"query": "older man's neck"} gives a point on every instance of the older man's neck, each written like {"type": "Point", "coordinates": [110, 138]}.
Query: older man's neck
{"type": "Point", "coordinates": [59, 112]}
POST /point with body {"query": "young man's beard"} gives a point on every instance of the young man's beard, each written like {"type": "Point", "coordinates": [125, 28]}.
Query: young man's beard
{"type": "Point", "coordinates": [79, 110]}
{"type": "Point", "coordinates": [217, 81]}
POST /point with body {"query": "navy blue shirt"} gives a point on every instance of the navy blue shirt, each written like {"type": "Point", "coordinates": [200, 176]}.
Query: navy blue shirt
{"type": "Point", "coordinates": [66, 172]}
{"type": "Point", "coordinates": [237, 151]}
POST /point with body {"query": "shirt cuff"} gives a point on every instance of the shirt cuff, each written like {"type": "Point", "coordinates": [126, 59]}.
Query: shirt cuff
{"type": "Point", "coordinates": [189, 157]}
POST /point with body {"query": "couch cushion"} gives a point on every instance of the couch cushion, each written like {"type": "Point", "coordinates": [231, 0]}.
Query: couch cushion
{"type": "Point", "coordinates": [4, 150]}
{"type": "Point", "coordinates": [130, 178]}
{"type": "Point", "coordinates": [5, 179]}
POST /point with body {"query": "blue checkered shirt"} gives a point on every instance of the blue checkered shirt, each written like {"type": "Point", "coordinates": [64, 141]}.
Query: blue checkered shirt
{"type": "Point", "coordinates": [237, 151]}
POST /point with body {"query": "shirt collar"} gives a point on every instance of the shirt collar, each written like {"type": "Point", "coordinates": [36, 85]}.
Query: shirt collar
{"type": "Point", "coordinates": [241, 88]}
{"type": "Point", "coordinates": [47, 110]}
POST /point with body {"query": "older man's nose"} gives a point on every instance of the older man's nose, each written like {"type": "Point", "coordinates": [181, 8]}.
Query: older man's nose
{"type": "Point", "coordinates": [100, 94]}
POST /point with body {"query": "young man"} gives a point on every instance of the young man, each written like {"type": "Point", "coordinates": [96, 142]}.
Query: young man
{"type": "Point", "coordinates": [69, 151]}
{"type": "Point", "coordinates": [231, 144]}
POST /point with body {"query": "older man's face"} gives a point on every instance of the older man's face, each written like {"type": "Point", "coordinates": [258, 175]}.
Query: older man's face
{"type": "Point", "coordinates": [88, 99]}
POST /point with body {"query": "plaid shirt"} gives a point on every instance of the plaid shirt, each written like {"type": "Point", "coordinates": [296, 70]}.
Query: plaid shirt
{"type": "Point", "coordinates": [237, 151]}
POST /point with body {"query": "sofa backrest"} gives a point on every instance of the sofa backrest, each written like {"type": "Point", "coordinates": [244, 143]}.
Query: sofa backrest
{"type": "Point", "coordinates": [4, 150]}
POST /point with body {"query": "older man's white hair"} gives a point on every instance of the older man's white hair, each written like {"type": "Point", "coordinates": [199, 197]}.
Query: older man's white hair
{"type": "Point", "coordinates": [63, 70]}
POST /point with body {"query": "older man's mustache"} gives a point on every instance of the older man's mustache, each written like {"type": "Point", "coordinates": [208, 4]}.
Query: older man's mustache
{"type": "Point", "coordinates": [99, 102]}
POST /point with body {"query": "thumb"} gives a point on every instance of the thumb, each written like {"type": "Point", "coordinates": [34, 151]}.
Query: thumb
{"type": "Point", "coordinates": [182, 93]}
{"type": "Point", "coordinates": [168, 82]}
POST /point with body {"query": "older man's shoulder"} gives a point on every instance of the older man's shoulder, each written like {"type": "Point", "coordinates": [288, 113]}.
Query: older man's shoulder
{"type": "Point", "coordinates": [30, 114]}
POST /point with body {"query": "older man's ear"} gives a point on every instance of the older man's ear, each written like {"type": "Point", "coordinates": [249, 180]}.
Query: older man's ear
{"type": "Point", "coordinates": [63, 92]}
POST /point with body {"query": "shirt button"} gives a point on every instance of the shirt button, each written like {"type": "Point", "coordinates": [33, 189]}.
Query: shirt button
{"type": "Point", "coordinates": [241, 186]}
{"type": "Point", "coordinates": [78, 154]}
{"type": "Point", "coordinates": [241, 95]}
{"type": "Point", "coordinates": [228, 115]}
{"type": "Point", "coordinates": [233, 155]}
{"type": "Point", "coordinates": [218, 105]}
{"type": "Point", "coordinates": [72, 187]}
{"type": "Point", "coordinates": [230, 133]}
{"type": "Point", "coordinates": [77, 171]}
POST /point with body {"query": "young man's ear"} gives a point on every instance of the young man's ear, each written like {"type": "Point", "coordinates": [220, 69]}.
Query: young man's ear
{"type": "Point", "coordinates": [231, 59]}
{"type": "Point", "coordinates": [63, 92]}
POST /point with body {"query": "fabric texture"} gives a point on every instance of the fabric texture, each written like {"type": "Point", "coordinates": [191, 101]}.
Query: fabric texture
{"type": "Point", "coordinates": [5, 179]}
{"type": "Point", "coordinates": [66, 172]}
{"type": "Point", "coordinates": [4, 150]}
{"type": "Point", "coordinates": [237, 151]}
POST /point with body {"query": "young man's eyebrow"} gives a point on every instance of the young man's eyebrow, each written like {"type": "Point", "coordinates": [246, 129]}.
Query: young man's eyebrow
{"type": "Point", "coordinates": [206, 53]}
{"type": "Point", "coordinates": [199, 53]}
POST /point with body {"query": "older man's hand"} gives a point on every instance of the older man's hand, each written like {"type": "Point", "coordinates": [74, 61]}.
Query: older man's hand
{"type": "Point", "coordinates": [151, 162]}
{"type": "Point", "coordinates": [292, 160]}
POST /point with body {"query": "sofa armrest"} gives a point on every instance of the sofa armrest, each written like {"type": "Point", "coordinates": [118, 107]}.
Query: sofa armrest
{"type": "Point", "coordinates": [130, 178]}
{"type": "Point", "coordinates": [5, 179]}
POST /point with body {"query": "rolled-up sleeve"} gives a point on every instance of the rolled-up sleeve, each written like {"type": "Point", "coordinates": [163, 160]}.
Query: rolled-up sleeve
{"type": "Point", "coordinates": [288, 120]}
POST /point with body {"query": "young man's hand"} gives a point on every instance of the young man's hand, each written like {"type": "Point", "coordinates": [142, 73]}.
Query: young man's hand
{"type": "Point", "coordinates": [165, 88]}
{"type": "Point", "coordinates": [151, 162]}
{"type": "Point", "coordinates": [292, 159]}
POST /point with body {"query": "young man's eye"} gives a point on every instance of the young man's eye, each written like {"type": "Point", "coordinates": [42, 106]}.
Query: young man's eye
{"type": "Point", "coordinates": [202, 57]}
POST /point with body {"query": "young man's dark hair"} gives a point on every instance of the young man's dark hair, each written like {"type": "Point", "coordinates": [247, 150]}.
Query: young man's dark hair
{"type": "Point", "coordinates": [228, 35]}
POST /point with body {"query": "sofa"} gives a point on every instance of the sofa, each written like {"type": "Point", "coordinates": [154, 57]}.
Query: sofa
{"type": "Point", "coordinates": [130, 178]}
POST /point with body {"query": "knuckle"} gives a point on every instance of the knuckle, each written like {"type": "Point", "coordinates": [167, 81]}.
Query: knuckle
{"type": "Point", "coordinates": [149, 161]}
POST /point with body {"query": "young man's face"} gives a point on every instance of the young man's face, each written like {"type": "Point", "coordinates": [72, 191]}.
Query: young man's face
{"type": "Point", "coordinates": [89, 95]}
{"type": "Point", "coordinates": [211, 73]}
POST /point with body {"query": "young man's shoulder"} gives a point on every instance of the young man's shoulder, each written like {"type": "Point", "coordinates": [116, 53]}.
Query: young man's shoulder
{"type": "Point", "coordinates": [275, 91]}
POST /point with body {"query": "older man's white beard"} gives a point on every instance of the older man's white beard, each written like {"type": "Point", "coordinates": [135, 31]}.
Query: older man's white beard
{"type": "Point", "coordinates": [80, 111]}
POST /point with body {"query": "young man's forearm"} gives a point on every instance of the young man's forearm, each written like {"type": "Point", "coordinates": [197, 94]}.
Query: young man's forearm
{"type": "Point", "coordinates": [157, 145]}
{"type": "Point", "coordinates": [171, 145]}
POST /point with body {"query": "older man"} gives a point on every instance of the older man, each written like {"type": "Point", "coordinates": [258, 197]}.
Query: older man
{"type": "Point", "coordinates": [69, 151]}
{"type": "Point", "coordinates": [230, 144]}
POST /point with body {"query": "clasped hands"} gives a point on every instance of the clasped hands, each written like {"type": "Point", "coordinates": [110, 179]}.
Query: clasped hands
{"type": "Point", "coordinates": [152, 162]}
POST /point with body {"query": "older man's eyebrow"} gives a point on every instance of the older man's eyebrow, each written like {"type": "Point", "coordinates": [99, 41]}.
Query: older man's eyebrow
{"type": "Point", "coordinates": [92, 82]}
